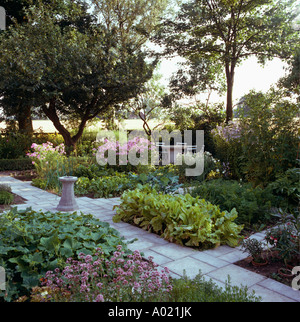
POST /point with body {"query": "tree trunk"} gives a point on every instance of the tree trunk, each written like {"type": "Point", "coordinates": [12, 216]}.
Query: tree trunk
{"type": "Point", "coordinates": [70, 141]}
{"type": "Point", "coordinates": [25, 121]}
{"type": "Point", "coordinates": [230, 79]}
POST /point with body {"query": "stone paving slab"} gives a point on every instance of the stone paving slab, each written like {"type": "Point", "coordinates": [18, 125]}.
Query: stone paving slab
{"type": "Point", "coordinates": [215, 264]}
{"type": "Point", "coordinates": [192, 267]}
{"type": "Point", "coordinates": [238, 275]}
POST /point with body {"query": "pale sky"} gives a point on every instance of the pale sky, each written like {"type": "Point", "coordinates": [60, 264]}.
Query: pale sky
{"type": "Point", "coordinates": [250, 75]}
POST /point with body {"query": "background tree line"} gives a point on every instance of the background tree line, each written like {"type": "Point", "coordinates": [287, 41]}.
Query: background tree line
{"type": "Point", "coordinates": [80, 59]}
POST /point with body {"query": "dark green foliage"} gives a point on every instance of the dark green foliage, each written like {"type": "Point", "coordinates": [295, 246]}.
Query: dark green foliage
{"type": "Point", "coordinates": [200, 290]}
{"type": "Point", "coordinates": [264, 142]}
{"type": "Point", "coordinates": [216, 35]}
{"type": "Point", "coordinates": [32, 243]}
{"type": "Point", "coordinates": [102, 187]}
{"type": "Point", "coordinates": [286, 188]}
{"type": "Point", "coordinates": [71, 70]}
{"type": "Point", "coordinates": [15, 164]}
{"type": "Point", "coordinates": [163, 180]}
{"type": "Point", "coordinates": [6, 198]}
{"type": "Point", "coordinates": [252, 204]}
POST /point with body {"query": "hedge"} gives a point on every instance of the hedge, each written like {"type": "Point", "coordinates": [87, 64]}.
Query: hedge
{"type": "Point", "coordinates": [15, 164]}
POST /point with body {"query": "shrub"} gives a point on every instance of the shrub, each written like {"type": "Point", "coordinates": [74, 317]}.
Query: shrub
{"type": "Point", "coordinates": [6, 198]}
{"type": "Point", "coordinates": [91, 172]}
{"type": "Point", "coordinates": [199, 290]}
{"type": "Point", "coordinates": [13, 145]}
{"type": "Point", "coordinates": [286, 188]}
{"type": "Point", "coordinates": [119, 278]}
{"type": "Point", "coordinates": [179, 218]}
{"type": "Point", "coordinates": [253, 204]}
{"type": "Point", "coordinates": [33, 243]}
{"type": "Point", "coordinates": [285, 238]}
{"type": "Point", "coordinates": [264, 143]}
{"type": "Point", "coordinates": [15, 164]}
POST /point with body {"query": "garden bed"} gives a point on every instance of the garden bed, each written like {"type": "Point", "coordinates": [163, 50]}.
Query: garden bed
{"type": "Point", "coordinates": [17, 201]}
{"type": "Point", "coordinates": [23, 175]}
{"type": "Point", "coordinates": [269, 270]}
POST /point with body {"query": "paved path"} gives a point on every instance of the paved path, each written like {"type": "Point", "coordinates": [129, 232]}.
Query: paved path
{"type": "Point", "coordinates": [215, 264]}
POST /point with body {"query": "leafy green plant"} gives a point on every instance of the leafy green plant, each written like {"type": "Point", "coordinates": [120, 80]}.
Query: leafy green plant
{"type": "Point", "coordinates": [163, 180]}
{"type": "Point", "coordinates": [252, 204]}
{"type": "Point", "coordinates": [286, 188]}
{"type": "Point", "coordinates": [200, 290]}
{"type": "Point", "coordinates": [91, 172]}
{"type": "Point", "coordinates": [103, 187]}
{"type": "Point", "coordinates": [13, 145]}
{"type": "Point", "coordinates": [6, 198]}
{"type": "Point", "coordinates": [179, 218]}
{"type": "Point", "coordinates": [263, 144]}
{"type": "Point", "coordinates": [210, 164]}
{"type": "Point", "coordinates": [285, 238]}
{"type": "Point", "coordinates": [254, 248]}
{"type": "Point", "coordinates": [32, 243]}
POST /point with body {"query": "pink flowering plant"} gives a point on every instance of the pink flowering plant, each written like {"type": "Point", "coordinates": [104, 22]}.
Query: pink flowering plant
{"type": "Point", "coordinates": [137, 146]}
{"type": "Point", "coordinates": [98, 279]}
{"type": "Point", "coordinates": [49, 161]}
{"type": "Point", "coordinates": [44, 154]}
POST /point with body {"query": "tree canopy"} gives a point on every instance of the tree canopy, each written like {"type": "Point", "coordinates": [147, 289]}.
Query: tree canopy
{"type": "Point", "coordinates": [214, 33]}
{"type": "Point", "coordinates": [69, 70]}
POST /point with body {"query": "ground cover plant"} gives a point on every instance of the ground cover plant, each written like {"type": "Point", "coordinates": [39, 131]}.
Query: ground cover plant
{"type": "Point", "coordinates": [34, 242]}
{"type": "Point", "coordinates": [130, 279]}
{"type": "Point", "coordinates": [200, 290]}
{"type": "Point", "coordinates": [119, 278]}
{"type": "Point", "coordinates": [179, 218]}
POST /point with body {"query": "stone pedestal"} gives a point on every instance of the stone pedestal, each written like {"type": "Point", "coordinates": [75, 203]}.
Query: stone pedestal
{"type": "Point", "coordinates": [67, 201]}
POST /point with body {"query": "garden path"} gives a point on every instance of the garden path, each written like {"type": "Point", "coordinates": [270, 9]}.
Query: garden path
{"type": "Point", "coordinates": [215, 264]}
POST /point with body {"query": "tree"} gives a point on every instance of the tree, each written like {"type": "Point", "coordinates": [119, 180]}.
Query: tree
{"type": "Point", "coordinates": [72, 73]}
{"type": "Point", "coordinates": [17, 102]}
{"type": "Point", "coordinates": [292, 80]}
{"type": "Point", "coordinates": [228, 31]}
{"type": "Point", "coordinates": [149, 104]}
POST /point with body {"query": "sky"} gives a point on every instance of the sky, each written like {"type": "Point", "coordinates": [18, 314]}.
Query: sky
{"type": "Point", "coordinates": [250, 75]}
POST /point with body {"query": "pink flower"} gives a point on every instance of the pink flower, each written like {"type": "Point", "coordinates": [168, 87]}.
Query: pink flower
{"type": "Point", "coordinates": [100, 298]}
